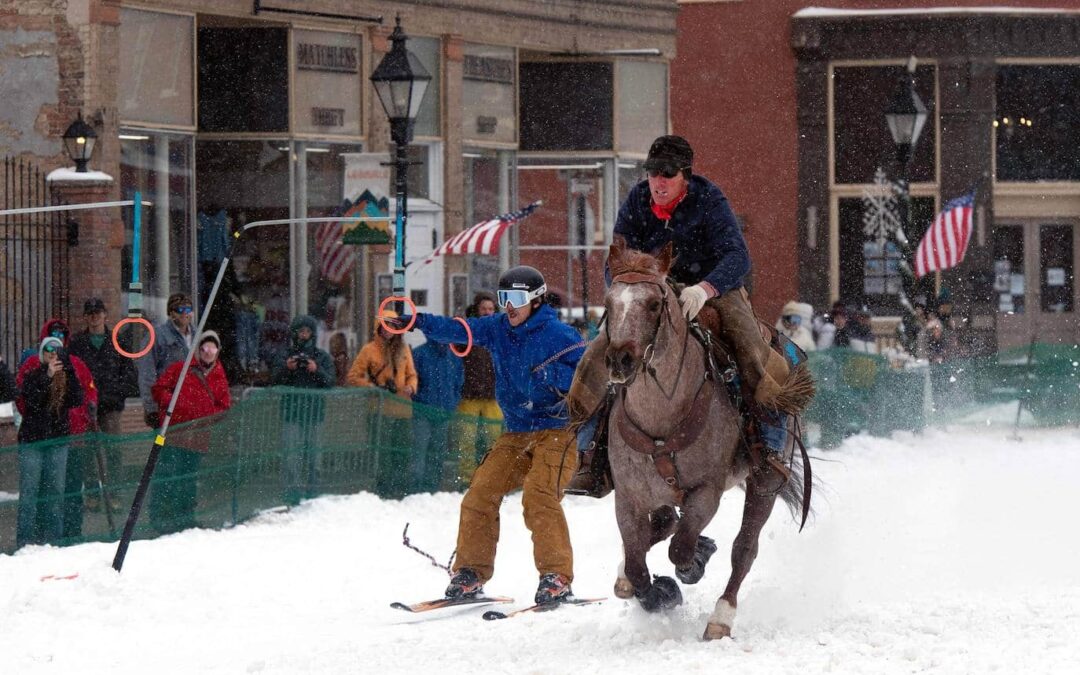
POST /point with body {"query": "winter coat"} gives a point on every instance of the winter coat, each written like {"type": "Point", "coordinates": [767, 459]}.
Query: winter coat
{"type": "Point", "coordinates": [441, 376]}
{"type": "Point", "coordinates": [479, 375]}
{"type": "Point", "coordinates": [534, 362]}
{"type": "Point", "coordinates": [82, 418]}
{"type": "Point", "coordinates": [169, 348]}
{"type": "Point", "coordinates": [709, 244]}
{"type": "Point", "coordinates": [7, 383]}
{"type": "Point", "coordinates": [373, 369]}
{"type": "Point", "coordinates": [801, 334]}
{"type": "Point", "coordinates": [114, 374]}
{"type": "Point", "coordinates": [304, 407]}
{"type": "Point", "coordinates": [39, 420]}
{"type": "Point", "coordinates": [205, 391]}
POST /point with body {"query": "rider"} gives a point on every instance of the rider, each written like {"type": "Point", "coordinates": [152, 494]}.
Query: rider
{"type": "Point", "coordinates": [534, 356]}
{"type": "Point", "coordinates": [675, 205]}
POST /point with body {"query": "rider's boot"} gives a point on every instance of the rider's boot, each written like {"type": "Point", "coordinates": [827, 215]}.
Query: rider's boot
{"type": "Point", "coordinates": [593, 477]}
{"type": "Point", "coordinates": [769, 442]}
{"type": "Point", "coordinates": [588, 415]}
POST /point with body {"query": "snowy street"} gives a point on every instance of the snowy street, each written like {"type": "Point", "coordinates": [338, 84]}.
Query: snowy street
{"type": "Point", "coordinates": [951, 552]}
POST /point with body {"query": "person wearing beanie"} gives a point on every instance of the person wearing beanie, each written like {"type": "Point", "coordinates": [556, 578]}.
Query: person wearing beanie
{"type": "Point", "coordinates": [47, 394]}
{"type": "Point", "coordinates": [205, 392]}
{"type": "Point", "coordinates": [172, 341]}
{"type": "Point", "coordinates": [794, 322]}
{"type": "Point", "coordinates": [304, 366]}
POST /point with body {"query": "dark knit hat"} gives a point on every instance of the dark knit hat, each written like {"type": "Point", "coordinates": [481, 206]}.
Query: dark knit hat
{"type": "Point", "coordinates": [670, 151]}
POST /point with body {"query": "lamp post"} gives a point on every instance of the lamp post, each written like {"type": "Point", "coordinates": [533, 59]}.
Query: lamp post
{"type": "Point", "coordinates": [906, 115]}
{"type": "Point", "coordinates": [79, 140]}
{"type": "Point", "coordinates": [400, 80]}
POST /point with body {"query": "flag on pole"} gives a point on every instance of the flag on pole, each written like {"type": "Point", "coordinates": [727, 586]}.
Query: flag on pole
{"type": "Point", "coordinates": [482, 238]}
{"type": "Point", "coordinates": [945, 243]}
{"type": "Point", "coordinates": [335, 258]}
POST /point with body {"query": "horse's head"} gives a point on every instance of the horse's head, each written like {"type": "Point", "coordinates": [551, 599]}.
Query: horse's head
{"type": "Point", "coordinates": [636, 304]}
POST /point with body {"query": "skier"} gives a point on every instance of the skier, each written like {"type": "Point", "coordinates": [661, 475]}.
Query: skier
{"type": "Point", "coordinates": [534, 356]}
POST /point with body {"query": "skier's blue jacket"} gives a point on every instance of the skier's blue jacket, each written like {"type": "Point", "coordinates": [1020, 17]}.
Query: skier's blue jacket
{"type": "Point", "coordinates": [534, 362]}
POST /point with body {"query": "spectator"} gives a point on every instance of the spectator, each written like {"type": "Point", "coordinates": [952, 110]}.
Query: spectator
{"type": "Point", "coordinates": [205, 392]}
{"type": "Point", "coordinates": [944, 309]}
{"type": "Point", "coordinates": [860, 333]}
{"type": "Point", "coordinates": [7, 383]}
{"type": "Point", "coordinates": [305, 367]}
{"type": "Point", "coordinates": [48, 393]}
{"type": "Point", "coordinates": [841, 317]}
{"type": "Point", "coordinates": [81, 419]}
{"type": "Point", "coordinates": [386, 362]}
{"type": "Point", "coordinates": [273, 342]}
{"type": "Point", "coordinates": [441, 376]}
{"type": "Point", "coordinates": [172, 343]}
{"type": "Point", "coordinates": [938, 344]}
{"type": "Point", "coordinates": [794, 322]}
{"type": "Point", "coordinates": [115, 380]}
{"type": "Point", "coordinates": [478, 411]}
{"type": "Point", "coordinates": [339, 354]}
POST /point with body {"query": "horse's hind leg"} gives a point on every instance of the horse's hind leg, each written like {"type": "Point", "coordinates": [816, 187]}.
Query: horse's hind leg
{"type": "Point", "coordinates": [756, 512]}
{"type": "Point", "coordinates": [662, 522]}
{"type": "Point", "coordinates": [689, 551]}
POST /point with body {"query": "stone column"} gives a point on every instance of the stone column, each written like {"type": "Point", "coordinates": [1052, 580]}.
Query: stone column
{"type": "Point", "coordinates": [95, 260]}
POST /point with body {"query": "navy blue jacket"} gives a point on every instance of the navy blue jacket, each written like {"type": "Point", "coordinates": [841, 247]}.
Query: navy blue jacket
{"type": "Point", "coordinates": [534, 362]}
{"type": "Point", "coordinates": [709, 245]}
{"type": "Point", "coordinates": [441, 376]}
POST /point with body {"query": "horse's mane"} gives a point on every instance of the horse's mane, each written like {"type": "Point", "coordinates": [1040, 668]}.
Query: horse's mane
{"type": "Point", "coordinates": [628, 260]}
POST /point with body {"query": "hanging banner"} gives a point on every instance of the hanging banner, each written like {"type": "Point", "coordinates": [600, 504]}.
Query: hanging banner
{"type": "Point", "coordinates": [367, 189]}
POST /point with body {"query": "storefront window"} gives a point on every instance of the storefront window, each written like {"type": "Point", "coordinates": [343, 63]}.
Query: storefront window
{"type": "Point", "coordinates": [1036, 125]}
{"type": "Point", "coordinates": [1008, 243]}
{"type": "Point", "coordinates": [1056, 268]}
{"type": "Point", "coordinates": [489, 92]}
{"type": "Point", "coordinates": [643, 111]}
{"type": "Point", "coordinates": [488, 179]}
{"type": "Point", "coordinates": [567, 106]}
{"type": "Point", "coordinates": [243, 79]}
{"type": "Point", "coordinates": [861, 135]}
{"type": "Point", "coordinates": [159, 167]}
{"type": "Point", "coordinates": [156, 64]}
{"type": "Point", "coordinates": [428, 122]}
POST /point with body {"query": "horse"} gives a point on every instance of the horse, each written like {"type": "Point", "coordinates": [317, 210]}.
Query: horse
{"type": "Point", "coordinates": [675, 441]}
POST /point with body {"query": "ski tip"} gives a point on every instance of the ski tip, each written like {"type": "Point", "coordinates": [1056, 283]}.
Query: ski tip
{"type": "Point", "coordinates": [493, 615]}
{"type": "Point", "coordinates": [401, 606]}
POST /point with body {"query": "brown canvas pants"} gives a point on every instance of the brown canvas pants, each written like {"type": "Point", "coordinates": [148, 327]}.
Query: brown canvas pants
{"type": "Point", "coordinates": [541, 463]}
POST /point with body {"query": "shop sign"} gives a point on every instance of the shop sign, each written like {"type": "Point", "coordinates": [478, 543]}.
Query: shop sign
{"type": "Point", "coordinates": [488, 69]}
{"type": "Point", "coordinates": [367, 188]}
{"type": "Point", "coordinates": [325, 102]}
{"type": "Point", "coordinates": [489, 98]}
{"type": "Point", "coordinates": [327, 58]}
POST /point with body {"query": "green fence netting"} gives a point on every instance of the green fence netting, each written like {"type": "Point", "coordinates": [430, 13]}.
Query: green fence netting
{"type": "Point", "coordinates": [274, 448]}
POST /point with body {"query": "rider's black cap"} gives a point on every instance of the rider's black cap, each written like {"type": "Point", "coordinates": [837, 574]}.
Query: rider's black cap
{"type": "Point", "coordinates": [671, 151]}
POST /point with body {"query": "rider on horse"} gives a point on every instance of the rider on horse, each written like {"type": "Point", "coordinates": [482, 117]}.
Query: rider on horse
{"type": "Point", "coordinates": [674, 205]}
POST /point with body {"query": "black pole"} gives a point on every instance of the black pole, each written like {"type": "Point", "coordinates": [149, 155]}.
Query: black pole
{"type": "Point", "coordinates": [583, 257]}
{"type": "Point", "coordinates": [400, 132]}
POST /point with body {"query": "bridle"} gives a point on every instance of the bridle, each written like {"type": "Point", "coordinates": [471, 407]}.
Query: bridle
{"type": "Point", "coordinates": [631, 278]}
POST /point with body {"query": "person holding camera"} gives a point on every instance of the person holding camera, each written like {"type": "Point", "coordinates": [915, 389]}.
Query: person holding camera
{"type": "Point", "coordinates": [305, 366]}
{"type": "Point", "coordinates": [49, 390]}
{"type": "Point", "coordinates": [386, 362]}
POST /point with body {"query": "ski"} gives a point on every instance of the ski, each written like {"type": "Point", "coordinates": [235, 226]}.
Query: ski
{"type": "Point", "coordinates": [492, 615]}
{"type": "Point", "coordinates": [429, 605]}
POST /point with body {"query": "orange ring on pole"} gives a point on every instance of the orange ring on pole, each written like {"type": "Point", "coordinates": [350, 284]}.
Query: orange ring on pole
{"type": "Point", "coordinates": [468, 331]}
{"type": "Point", "coordinates": [124, 322]}
{"type": "Point", "coordinates": [412, 317]}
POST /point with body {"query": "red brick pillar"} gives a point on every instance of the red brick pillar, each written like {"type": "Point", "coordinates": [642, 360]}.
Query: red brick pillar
{"type": "Point", "coordinates": [95, 261]}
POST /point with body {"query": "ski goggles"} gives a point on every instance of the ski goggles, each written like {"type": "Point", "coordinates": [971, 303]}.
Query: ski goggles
{"type": "Point", "coordinates": [51, 347]}
{"type": "Point", "coordinates": [518, 298]}
{"type": "Point", "coordinates": [793, 319]}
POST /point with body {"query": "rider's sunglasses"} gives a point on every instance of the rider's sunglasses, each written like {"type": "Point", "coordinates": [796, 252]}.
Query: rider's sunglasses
{"type": "Point", "coordinates": [667, 171]}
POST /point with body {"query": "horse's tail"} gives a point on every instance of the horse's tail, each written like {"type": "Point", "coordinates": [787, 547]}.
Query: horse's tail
{"type": "Point", "coordinates": [798, 488]}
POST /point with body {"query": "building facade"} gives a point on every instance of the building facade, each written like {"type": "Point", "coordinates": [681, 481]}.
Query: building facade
{"type": "Point", "coordinates": [791, 119]}
{"type": "Point", "coordinates": [222, 113]}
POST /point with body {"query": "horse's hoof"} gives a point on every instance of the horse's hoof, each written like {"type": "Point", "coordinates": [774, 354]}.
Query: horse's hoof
{"type": "Point", "coordinates": [716, 631]}
{"type": "Point", "coordinates": [623, 588]}
{"type": "Point", "coordinates": [664, 593]}
{"type": "Point", "coordinates": [692, 574]}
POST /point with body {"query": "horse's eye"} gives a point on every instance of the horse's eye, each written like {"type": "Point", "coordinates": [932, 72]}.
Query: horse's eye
{"type": "Point", "coordinates": [654, 305]}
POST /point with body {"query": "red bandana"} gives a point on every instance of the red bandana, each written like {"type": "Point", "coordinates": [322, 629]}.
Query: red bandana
{"type": "Point", "coordinates": [664, 212]}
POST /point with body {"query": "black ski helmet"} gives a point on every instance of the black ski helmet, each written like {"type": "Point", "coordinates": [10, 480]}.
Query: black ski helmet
{"type": "Point", "coordinates": [524, 278]}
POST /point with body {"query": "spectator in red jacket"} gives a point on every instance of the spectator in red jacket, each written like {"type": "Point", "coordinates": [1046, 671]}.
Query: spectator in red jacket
{"type": "Point", "coordinates": [205, 392]}
{"type": "Point", "coordinates": [81, 419]}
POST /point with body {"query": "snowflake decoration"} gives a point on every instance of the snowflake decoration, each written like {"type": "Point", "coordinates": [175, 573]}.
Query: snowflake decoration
{"type": "Point", "coordinates": [880, 216]}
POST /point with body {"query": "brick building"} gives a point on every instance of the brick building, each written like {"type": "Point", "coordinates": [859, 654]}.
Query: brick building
{"type": "Point", "coordinates": [223, 112]}
{"type": "Point", "coordinates": [785, 106]}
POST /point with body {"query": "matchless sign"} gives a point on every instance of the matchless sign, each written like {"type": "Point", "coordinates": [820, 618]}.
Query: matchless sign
{"type": "Point", "coordinates": [326, 87]}
{"type": "Point", "coordinates": [327, 58]}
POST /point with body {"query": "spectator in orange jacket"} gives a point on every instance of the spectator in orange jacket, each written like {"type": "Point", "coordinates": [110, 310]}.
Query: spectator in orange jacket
{"type": "Point", "coordinates": [205, 392]}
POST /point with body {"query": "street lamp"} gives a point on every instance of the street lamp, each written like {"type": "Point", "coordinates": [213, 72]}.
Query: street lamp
{"type": "Point", "coordinates": [400, 80]}
{"type": "Point", "coordinates": [79, 142]}
{"type": "Point", "coordinates": [906, 115]}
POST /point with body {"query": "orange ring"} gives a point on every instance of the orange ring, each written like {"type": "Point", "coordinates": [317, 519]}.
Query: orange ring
{"type": "Point", "coordinates": [468, 331]}
{"type": "Point", "coordinates": [382, 320]}
{"type": "Point", "coordinates": [124, 322]}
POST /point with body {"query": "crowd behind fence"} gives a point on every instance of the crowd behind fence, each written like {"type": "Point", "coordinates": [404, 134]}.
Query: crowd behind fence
{"type": "Point", "coordinates": [281, 445]}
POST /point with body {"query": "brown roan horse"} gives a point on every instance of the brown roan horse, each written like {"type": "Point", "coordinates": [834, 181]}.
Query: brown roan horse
{"type": "Point", "coordinates": [674, 443]}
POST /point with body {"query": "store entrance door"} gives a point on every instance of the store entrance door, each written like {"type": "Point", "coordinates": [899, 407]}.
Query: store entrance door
{"type": "Point", "coordinates": [1035, 281]}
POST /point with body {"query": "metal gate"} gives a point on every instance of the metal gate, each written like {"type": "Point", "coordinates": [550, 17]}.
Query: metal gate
{"type": "Point", "coordinates": [35, 266]}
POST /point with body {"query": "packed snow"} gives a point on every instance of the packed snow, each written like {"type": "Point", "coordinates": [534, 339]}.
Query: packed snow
{"type": "Point", "coordinates": [954, 551]}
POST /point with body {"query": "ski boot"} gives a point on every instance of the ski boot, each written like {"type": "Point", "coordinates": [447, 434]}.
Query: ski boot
{"type": "Point", "coordinates": [553, 588]}
{"type": "Point", "coordinates": [464, 584]}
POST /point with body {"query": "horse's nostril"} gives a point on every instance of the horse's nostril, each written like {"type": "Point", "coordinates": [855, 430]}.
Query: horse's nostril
{"type": "Point", "coordinates": [626, 361]}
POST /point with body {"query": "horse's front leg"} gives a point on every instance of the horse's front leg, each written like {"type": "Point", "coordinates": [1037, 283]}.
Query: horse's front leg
{"type": "Point", "coordinates": [756, 509]}
{"type": "Point", "coordinates": [662, 522]}
{"type": "Point", "coordinates": [689, 551]}
{"type": "Point", "coordinates": [637, 532]}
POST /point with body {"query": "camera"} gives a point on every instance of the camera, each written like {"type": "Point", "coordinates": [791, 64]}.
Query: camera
{"type": "Point", "coordinates": [301, 359]}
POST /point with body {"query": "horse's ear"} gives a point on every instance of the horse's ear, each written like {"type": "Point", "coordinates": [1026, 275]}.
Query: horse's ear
{"type": "Point", "coordinates": [618, 246]}
{"type": "Point", "coordinates": [665, 258]}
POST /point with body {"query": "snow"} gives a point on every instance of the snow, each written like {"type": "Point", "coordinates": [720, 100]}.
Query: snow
{"type": "Point", "coordinates": [69, 174]}
{"type": "Point", "coordinates": [829, 12]}
{"type": "Point", "coordinates": [949, 552]}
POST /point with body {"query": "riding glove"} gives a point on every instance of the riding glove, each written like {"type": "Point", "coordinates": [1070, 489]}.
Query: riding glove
{"type": "Point", "coordinates": [692, 300]}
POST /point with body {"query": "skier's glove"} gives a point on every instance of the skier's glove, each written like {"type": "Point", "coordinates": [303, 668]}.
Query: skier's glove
{"type": "Point", "coordinates": [692, 300]}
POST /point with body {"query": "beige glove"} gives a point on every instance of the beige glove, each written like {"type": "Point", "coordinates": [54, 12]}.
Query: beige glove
{"type": "Point", "coordinates": [692, 300]}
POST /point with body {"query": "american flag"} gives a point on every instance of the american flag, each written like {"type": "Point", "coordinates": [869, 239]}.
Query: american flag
{"type": "Point", "coordinates": [482, 238]}
{"type": "Point", "coordinates": [945, 243]}
{"type": "Point", "coordinates": [335, 258]}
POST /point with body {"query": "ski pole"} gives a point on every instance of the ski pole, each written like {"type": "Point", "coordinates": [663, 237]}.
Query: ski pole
{"type": "Point", "coordinates": [102, 479]}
